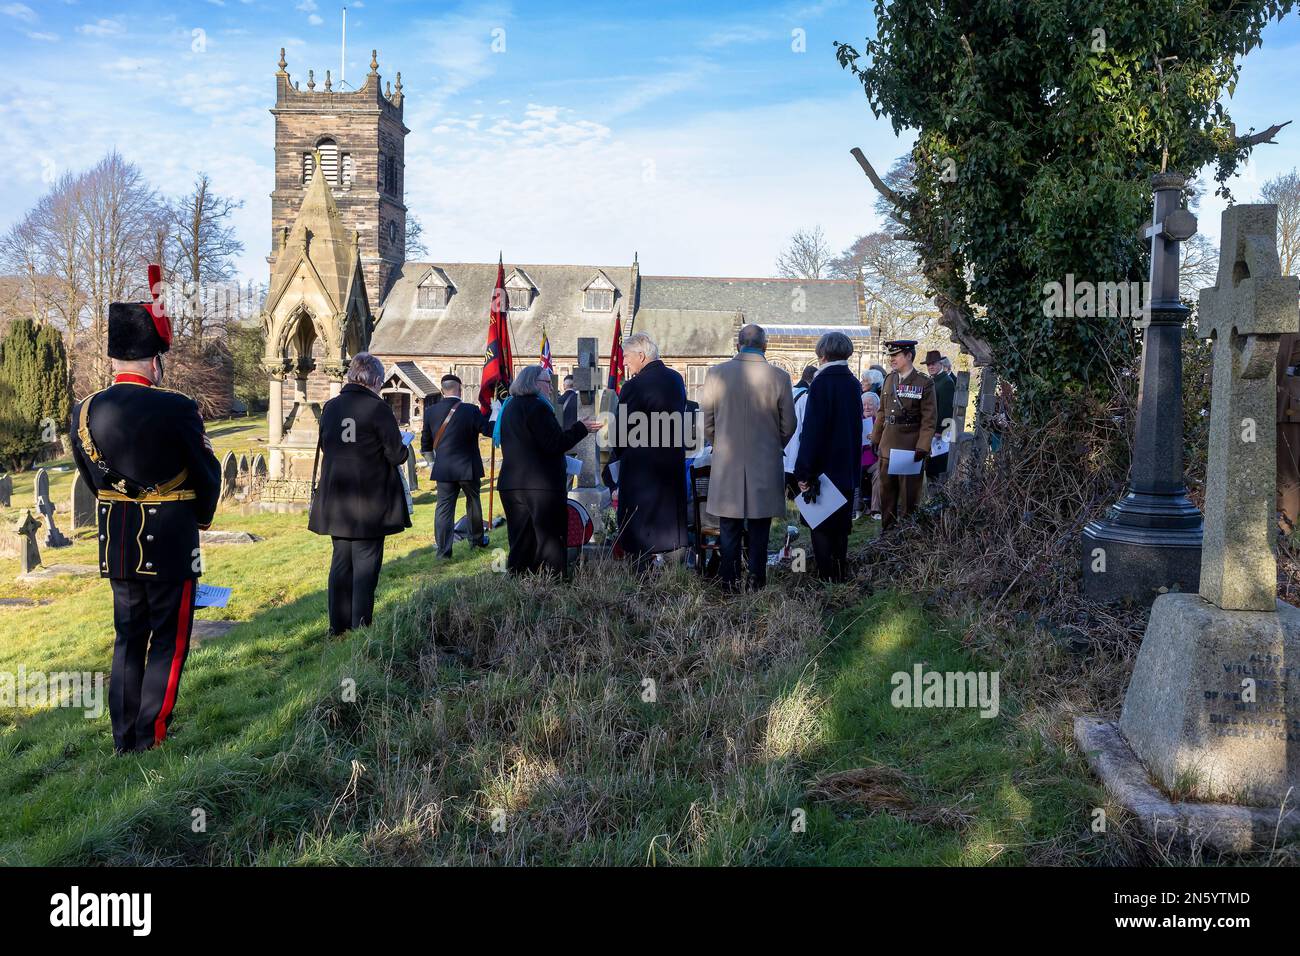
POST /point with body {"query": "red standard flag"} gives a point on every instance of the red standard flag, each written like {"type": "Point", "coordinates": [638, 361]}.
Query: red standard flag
{"type": "Point", "coordinates": [616, 354]}
{"type": "Point", "coordinates": [498, 363]}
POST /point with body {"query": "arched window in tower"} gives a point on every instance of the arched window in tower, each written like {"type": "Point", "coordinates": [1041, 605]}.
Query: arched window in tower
{"type": "Point", "coordinates": [308, 167]}
{"type": "Point", "coordinates": [346, 169]}
{"type": "Point", "coordinates": [329, 160]}
{"type": "Point", "coordinates": [390, 175]}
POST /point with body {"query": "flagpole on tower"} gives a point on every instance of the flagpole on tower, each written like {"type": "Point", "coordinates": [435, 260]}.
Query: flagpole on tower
{"type": "Point", "coordinates": [343, 55]}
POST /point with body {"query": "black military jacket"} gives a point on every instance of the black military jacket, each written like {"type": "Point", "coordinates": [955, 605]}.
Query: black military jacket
{"type": "Point", "coordinates": [153, 437]}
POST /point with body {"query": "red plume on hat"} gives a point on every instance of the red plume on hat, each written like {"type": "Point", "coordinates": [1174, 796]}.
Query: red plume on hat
{"type": "Point", "coordinates": [140, 330]}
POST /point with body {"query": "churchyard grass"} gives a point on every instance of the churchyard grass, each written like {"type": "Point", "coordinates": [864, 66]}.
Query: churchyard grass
{"type": "Point", "coordinates": [504, 721]}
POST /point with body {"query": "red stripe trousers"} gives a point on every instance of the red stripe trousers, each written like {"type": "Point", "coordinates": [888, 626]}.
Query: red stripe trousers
{"type": "Point", "coordinates": [153, 620]}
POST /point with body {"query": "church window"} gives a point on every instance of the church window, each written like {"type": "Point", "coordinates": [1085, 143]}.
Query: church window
{"type": "Point", "coordinates": [433, 297]}
{"type": "Point", "coordinates": [695, 380]}
{"type": "Point", "coordinates": [308, 167]}
{"type": "Point", "coordinates": [390, 174]}
{"type": "Point", "coordinates": [329, 160]}
{"type": "Point", "coordinates": [598, 300]}
{"type": "Point", "coordinates": [347, 169]}
{"type": "Point", "coordinates": [519, 300]}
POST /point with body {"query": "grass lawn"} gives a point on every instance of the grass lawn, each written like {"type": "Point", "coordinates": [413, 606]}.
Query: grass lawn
{"type": "Point", "coordinates": [505, 721]}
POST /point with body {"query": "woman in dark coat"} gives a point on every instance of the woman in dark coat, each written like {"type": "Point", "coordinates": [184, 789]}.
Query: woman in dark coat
{"type": "Point", "coordinates": [830, 444]}
{"type": "Point", "coordinates": [533, 479]}
{"type": "Point", "coordinates": [360, 497]}
{"type": "Point", "coordinates": [651, 475]}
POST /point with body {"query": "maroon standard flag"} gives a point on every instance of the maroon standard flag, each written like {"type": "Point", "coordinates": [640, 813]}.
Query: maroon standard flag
{"type": "Point", "coordinates": [498, 363]}
{"type": "Point", "coordinates": [616, 354]}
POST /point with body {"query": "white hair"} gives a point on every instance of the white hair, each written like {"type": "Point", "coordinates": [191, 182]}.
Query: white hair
{"type": "Point", "coordinates": [872, 397]}
{"type": "Point", "coordinates": [874, 376]}
{"type": "Point", "coordinates": [366, 370]}
{"type": "Point", "coordinates": [642, 344]}
{"type": "Point", "coordinates": [525, 383]}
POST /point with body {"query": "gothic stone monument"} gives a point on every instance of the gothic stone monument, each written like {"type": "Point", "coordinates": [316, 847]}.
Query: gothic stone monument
{"type": "Point", "coordinates": [1214, 701]}
{"type": "Point", "coordinates": [1152, 537]}
{"type": "Point", "coordinates": [592, 401]}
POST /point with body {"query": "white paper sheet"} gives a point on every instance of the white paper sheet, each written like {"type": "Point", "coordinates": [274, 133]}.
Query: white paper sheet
{"type": "Point", "coordinates": [211, 595]}
{"type": "Point", "coordinates": [614, 467]}
{"type": "Point", "coordinates": [572, 466]}
{"type": "Point", "coordinates": [938, 446]}
{"type": "Point", "coordinates": [904, 463]}
{"type": "Point", "coordinates": [829, 500]}
{"type": "Point", "coordinates": [407, 438]}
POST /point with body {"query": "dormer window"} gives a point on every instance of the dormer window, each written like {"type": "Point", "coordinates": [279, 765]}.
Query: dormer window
{"type": "Point", "coordinates": [598, 294]}
{"type": "Point", "coordinates": [434, 291]}
{"type": "Point", "coordinates": [598, 300]}
{"type": "Point", "coordinates": [520, 291]}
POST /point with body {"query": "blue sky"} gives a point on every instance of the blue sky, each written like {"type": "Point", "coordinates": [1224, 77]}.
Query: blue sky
{"type": "Point", "coordinates": [691, 133]}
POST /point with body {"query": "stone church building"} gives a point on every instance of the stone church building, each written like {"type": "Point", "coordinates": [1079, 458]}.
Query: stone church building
{"type": "Point", "coordinates": [341, 283]}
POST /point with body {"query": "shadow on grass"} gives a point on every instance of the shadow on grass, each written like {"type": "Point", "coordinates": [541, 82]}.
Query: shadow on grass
{"type": "Point", "coordinates": [227, 773]}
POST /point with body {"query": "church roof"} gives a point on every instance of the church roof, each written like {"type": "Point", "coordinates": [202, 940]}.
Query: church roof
{"type": "Point", "coordinates": [319, 235]}
{"type": "Point", "coordinates": [686, 315]}
{"type": "Point", "coordinates": [765, 301]}
{"type": "Point", "coordinates": [404, 328]}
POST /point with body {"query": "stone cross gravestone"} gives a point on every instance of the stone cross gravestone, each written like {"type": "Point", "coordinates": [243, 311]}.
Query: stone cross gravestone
{"type": "Point", "coordinates": [81, 504]}
{"type": "Point", "coordinates": [1249, 306]}
{"type": "Point", "coordinates": [1151, 539]}
{"type": "Point", "coordinates": [229, 474]}
{"type": "Point", "coordinates": [6, 491]}
{"type": "Point", "coordinates": [54, 538]}
{"type": "Point", "coordinates": [593, 401]}
{"type": "Point", "coordinates": [1214, 699]}
{"type": "Point", "coordinates": [29, 555]}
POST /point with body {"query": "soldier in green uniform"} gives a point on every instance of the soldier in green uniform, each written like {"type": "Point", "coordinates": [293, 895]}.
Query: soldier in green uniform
{"type": "Point", "coordinates": [905, 426]}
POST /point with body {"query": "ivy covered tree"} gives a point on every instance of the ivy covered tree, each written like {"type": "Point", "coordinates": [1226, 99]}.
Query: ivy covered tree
{"type": "Point", "coordinates": [1038, 128]}
{"type": "Point", "coordinates": [35, 398]}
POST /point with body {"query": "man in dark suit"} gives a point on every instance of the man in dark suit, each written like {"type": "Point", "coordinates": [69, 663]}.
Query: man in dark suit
{"type": "Point", "coordinates": [651, 472]}
{"type": "Point", "coordinates": [945, 391]}
{"type": "Point", "coordinates": [143, 450]}
{"type": "Point", "coordinates": [451, 433]}
{"type": "Point", "coordinates": [568, 404]}
{"type": "Point", "coordinates": [361, 497]}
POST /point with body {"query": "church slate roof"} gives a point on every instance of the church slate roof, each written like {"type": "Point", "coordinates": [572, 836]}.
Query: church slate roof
{"type": "Point", "coordinates": [685, 315]}
{"type": "Point", "coordinates": [765, 301]}
{"type": "Point", "coordinates": [461, 328]}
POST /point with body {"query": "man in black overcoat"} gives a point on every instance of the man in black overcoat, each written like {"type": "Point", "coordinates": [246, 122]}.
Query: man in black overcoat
{"type": "Point", "coordinates": [651, 454]}
{"type": "Point", "coordinates": [142, 449]}
{"type": "Point", "coordinates": [451, 432]}
{"type": "Point", "coordinates": [360, 497]}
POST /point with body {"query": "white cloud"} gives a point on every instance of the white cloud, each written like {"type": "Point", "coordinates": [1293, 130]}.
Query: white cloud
{"type": "Point", "coordinates": [19, 11]}
{"type": "Point", "coordinates": [43, 37]}
{"type": "Point", "coordinates": [102, 28]}
{"type": "Point", "coordinates": [315, 20]}
{"type": "Point", "coordinates": [308, 6]}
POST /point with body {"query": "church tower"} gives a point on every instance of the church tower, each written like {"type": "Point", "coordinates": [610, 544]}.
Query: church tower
{"type": "Point", "coordinates": [361, 140]}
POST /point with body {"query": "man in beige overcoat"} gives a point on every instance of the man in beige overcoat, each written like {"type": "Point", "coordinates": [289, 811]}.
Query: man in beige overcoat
{"type": "Point", "coordinates": [748, 408]}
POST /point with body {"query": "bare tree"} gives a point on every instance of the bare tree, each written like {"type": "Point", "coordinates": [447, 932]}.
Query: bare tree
{"type": "Point", "coordinates": [897, 298]}
{"type": "Point", "coordinates": [119, 215]}
{"type": "Point", "coordinates": [1284, 190]}
{"type": "Point", "coordinates": [1198, 267]}
{"type": "Point", "coordinates": [415, 247]}
{"type": "Point", "coordinates": [201, 246]}
{"type": "Point", "coordinates": [806, 257]}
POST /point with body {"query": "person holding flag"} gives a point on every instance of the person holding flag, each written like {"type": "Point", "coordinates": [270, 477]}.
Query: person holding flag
{"type": "Point", "coordinates": [498, 369]}
{"type": "Point", "coordinates": [616, 373]}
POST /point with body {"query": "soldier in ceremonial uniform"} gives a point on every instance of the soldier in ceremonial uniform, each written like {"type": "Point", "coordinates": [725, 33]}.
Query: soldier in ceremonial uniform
{"type": "Point", "coordinates": [1288, 431]}
{"type": "Point", "coordinates": [904, 426]}
{"type": "Point", "coordinates": [143, 449]}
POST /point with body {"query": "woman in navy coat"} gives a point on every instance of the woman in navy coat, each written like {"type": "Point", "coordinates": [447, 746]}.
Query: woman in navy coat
{"type": "Point", "coordinates": [830, 444]}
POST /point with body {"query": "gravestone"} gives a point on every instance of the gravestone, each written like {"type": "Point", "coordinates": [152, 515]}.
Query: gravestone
{"type": "Point", "coordinates": [54, 538]}
{"type": "Point", "coordinates": [81, 504]}
{"type": "Point", "coordinates": [29, 555]}
{"type": "Point", "coordinates": [229, 474]}
{"type": "Point", "coordinates": [1151, 539]}
{"type": "Point", "coordinates": [243, 466]}
{"type": "Point", "coordinates": [593, 402]}
{"type": "Point", "coordinates": [1214, 699]}
{"type": "Point", "coordinates": [259, 466]}
{"type": "Point", "coordinates": [6, 491]}
{"type": "Point", "coordinates": [412, 478]}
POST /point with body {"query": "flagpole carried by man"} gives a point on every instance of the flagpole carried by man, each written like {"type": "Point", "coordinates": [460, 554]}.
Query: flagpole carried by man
{"type": "Point", "coordinates": [616, 373]}
{"type": "Point", "coordinates": [498, 368]}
